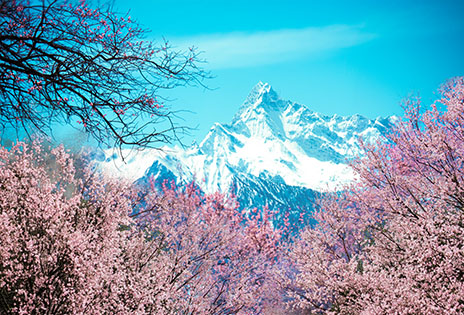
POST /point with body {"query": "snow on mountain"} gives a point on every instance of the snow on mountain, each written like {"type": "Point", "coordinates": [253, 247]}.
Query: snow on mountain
{"type": "Point", "coordinates": [274, 152]}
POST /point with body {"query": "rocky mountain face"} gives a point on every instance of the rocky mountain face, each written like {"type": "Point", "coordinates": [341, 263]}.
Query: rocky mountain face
{"type": "Point", "coordinates": [274, 152]}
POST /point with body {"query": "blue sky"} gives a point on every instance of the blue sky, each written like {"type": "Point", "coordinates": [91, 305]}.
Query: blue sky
{"type": "Point", "coordinates": [341, 57]}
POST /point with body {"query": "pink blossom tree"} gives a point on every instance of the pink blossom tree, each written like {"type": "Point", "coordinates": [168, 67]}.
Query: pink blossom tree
{"type": "Point", "coordinates": [393, 241]}
{"type": "Point", "coordinates": [61, 250]}
{"type": "Point", "coordinates": [83, 244]}
{"type": "Point", "coordinates": [64, 62]}
{"type": "Point", "coordinates": [219, 259]}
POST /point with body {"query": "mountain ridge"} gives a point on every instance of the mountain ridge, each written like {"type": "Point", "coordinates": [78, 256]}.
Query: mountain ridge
{"type": "Point", "coordinates": [271, 145]}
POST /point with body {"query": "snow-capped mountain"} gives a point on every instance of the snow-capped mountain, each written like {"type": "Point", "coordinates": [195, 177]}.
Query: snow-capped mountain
{"type": "Point", "coordinates": [274, 152]}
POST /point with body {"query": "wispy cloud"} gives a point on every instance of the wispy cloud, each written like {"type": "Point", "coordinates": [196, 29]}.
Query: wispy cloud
{"type": "Point", "coordinates": [234, 50]}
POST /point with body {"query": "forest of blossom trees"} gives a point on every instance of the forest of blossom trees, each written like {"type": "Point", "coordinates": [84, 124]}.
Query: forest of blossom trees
{"type": "Point", "coordinates": [74, 241]}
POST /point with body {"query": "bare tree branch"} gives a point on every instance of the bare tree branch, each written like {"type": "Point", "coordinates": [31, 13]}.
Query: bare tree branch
{"type": "Point", "coordinates": [63, 62]}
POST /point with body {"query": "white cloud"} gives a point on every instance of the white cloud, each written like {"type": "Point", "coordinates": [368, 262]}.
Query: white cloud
{"type": "Point", "coordinates": [234, 50]}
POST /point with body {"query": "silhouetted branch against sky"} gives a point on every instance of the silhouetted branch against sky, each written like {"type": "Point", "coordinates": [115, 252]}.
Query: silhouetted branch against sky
{"type": "Point", "coordinates": [69, 62]}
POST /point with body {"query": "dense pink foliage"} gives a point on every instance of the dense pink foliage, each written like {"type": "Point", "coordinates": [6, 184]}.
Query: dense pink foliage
{"type": "Point", "coordinates": [89, 245]}
{"type": "Point", "coordinates": [220, 260]}
{"type": "Point", "coordinates": [393, 242]}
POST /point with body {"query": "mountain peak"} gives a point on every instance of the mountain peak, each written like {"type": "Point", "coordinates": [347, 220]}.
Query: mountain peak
{"type": "Point", "coordinates": [261, 92]}
{"type": "Point", "coordinates": [271, 152]}
{"type": "Point", "coordinates": [262, 88]}
{"type": "Point", "coordinates": [261, 96]}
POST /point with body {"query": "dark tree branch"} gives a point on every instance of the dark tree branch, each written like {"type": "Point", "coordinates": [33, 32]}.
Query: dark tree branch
{"type": "Point", "coordinates": [64, 62]}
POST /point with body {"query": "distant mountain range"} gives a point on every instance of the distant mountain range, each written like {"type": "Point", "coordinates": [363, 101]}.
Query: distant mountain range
{"type": "Point", "coordinates": [274, 152]}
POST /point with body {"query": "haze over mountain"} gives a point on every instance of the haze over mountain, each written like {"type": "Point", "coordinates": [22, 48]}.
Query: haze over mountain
{"type": "Point", "coordinates": [274, 152]}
